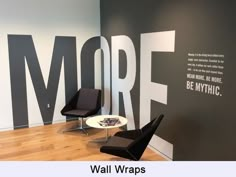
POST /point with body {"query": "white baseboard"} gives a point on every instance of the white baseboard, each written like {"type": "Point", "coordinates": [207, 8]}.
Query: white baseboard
{"type": "Point", "coordinates": [162, 147]}
{"type": "Point", "coordinates": [6, 129]}
{"type": "Point", "coordinates": [32, 125]}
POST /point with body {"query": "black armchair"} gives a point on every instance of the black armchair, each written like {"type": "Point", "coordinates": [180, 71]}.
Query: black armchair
{"type": "Point", "coordinates": [131, 144]}
{"type": "Point", "coordinates": [84, 103]}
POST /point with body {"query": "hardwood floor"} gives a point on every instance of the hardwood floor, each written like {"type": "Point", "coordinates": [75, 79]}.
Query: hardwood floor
{"type": "Point", "coordinates": [51, 143]}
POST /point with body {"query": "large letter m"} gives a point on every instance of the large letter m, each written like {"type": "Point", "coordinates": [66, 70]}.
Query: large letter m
{"type": "Point", "coordinates": [22, 51]}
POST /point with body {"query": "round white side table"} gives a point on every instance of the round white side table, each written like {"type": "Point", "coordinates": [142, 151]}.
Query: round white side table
{"type": "Point", "coordinates": [94, 122]}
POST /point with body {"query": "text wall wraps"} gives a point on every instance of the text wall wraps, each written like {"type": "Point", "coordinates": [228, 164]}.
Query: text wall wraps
{"type": "Point", "coordinates": [176, 58]}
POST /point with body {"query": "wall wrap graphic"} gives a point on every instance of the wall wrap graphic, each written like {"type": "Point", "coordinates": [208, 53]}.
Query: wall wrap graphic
{"type": "Point", "coordinates": [22, 51]}
{"type": "Point", "coordinates": [199, 107]}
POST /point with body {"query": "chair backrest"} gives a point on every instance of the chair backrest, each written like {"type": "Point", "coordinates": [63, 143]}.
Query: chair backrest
{"type": "Point", "coordinates": [89, 99]}
{"type": "Point", "coordinates": [138, 146]}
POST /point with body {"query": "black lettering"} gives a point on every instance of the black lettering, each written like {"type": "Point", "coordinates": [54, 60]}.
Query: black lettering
{"type": "Point", "coordinates": [95, 168]}
{"type": "Point", "coordinates": [87, 61]}
{"type": "Point", "coordinates": [131, 169]}
{"type": "Point", "coordinates": [143, 170]}
{"type": "Point", "coordinates": [22, 51]}
{"type": "Point", "coordinates": [137, 170]}
{"type": "Point", "coordinates": [120, 169]}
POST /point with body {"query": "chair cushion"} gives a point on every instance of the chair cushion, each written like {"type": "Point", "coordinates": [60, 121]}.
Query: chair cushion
{"type": "Point", "coordinates": [130, 134]}
{"type": "Point", "coordinates": [117, 141]}
{"type": "Point", "coordinates": [88, 99]}
{"type": "Point", "coordinates": [77, 113]}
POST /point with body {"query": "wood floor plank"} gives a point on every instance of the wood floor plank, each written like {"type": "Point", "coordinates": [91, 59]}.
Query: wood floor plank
{"type": "Point", "coordinates": [51, 143]}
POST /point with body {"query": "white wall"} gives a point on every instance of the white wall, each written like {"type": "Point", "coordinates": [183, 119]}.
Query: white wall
{"type": "Point", "coordinates": [43, 20]}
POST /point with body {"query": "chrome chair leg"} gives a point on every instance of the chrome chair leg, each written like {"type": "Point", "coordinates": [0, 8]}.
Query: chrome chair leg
{"type": "Point", "coordinates": [80, 127]}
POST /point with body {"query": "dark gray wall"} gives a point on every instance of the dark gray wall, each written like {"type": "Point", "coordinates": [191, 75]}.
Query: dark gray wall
{"type": "Point", "coordinates": [200, 125]}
